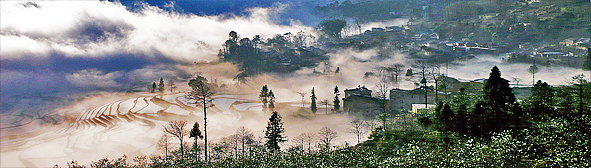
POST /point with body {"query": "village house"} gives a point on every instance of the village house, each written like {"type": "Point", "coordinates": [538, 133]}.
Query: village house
{"type": "Point", "coordinates": [402, 100]}
{"type": "Point", "coordinates": [359, 101]}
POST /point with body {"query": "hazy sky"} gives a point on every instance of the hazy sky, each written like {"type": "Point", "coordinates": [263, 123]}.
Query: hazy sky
{"type": "Point", "coordinates": [60, 45]}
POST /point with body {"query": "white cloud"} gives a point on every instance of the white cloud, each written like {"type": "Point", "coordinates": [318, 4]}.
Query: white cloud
{"type": "Point", "coordinates": [99, 29]}
{"type": "Point", "coordinates": [93, 78]}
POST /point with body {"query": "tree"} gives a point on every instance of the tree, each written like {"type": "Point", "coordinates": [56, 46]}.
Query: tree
{"type": "Point", "coordinates": [313, 103]}
{"type": "Point", "coordinates": [326, 136]}
{"type": "Point", "coordinates": [333, 28]}
{"type": "Point", "coordinates": [161, 85]}
{"type": "Point", "coordinates": [263, 96]}
{"type": "Point", "coordinates": [533, 70]}
{"type": "Point", "coordinates": [587, 64]}
{"type": "Point", "coordinates": [541, 100]}
{"type": "Point", "coordinates": [336, 102]}
{"type": "Point", "coordinates": [245, 138]}
{"type": "Point", "coordinates": [461, 120]}
{"type": "Point", "coordinates": [382, 89]}
{"type": "Point", "coordinates": [516, 80]}
{"type": "Point", "coordinates": [153, 87]}
{"type": "Point", "coordinates": [306, 139]}
{"type": "Point", "coordinates": [163, 143]}
{"type": "Point", "coordinates": [233, 36]}
{"type": "Point", "coordinates": [195, 133]}
{"type": "Point", "coordinates": [303, 96]}
{"type": "Point", "coordinates": [274, 132]}
{"type": "Point", "coordinates": [176, 128]}
{"type": "Point", "coordinates": [255, 41]}
{"type": "Point", "coordinates": [201, 92]}
{"type": "Point", "coordinates": [171, 85]}
{"type": "Point", "coordinates": [358, 128]}
{"type": "Point", "coordinates": [580, 92]}
{"type": "Point", "coordinates": [271, 100]}
{"type": "Point", "coordinates": [445, 118]}
{"type": "Point", "coordinates": [497, 104]}
{"type": "Point", "coordinates": [396, 70]}
{"type": "Point", "coordinates": [409, 72]}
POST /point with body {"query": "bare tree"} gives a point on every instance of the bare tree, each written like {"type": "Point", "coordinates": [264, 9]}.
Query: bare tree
{"type": "Point", "coordinates": [232, 142]}
{"type": "Point", "coordinates": [421, 64]}
{"type": "Point", "coordinates": [358, 127]}
{"type": "Point", "coordinates": [201, 92]}
{"type": "Point", "coordinates": [394, 70]}
{"type": "Point", "coordinates": [171, 85]}
{"type": "Point", "coordinates": [306, 139]}
{"type": "Point", "coordinates": [358, 23]}
{"type": "Point", "coordinates": [163, 143]}
{"type": "Point", "coordinates": [436, 77]}
{"type": "Point", "coordinates": [246, 138]}
{"type": "Point", "coordinates": [326, 136]}
{"type": "Point", "coordinates": [382, 89]}
{"type": "Point", "coordinates": [325, 103]}
{"type": "Point", "coordinates": [303, 100]}
{"type": "Point", "coordinates": [516, 80]}
{"type": "Point", "coordinates": [176, 128]}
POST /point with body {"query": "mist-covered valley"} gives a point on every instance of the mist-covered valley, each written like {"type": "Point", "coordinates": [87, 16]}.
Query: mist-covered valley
{"type": "Point", "coordinates": [80, 80]}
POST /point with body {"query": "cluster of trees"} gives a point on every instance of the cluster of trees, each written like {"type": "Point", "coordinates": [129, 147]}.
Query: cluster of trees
{"type": "Point", "coordinates": [251, 59]}
{"type": "Point", "coordinates": [160, 87]}
{"type": "Point", "coordinates": [496, 110]}
{"type": "Point", "coordinates": [267, 98]}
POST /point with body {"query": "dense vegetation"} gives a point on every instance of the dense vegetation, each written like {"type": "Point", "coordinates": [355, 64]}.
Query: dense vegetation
{"type": "Point", "coordinates": [473, 129]}
{"type": "Point", "coordinates": [281, 53]}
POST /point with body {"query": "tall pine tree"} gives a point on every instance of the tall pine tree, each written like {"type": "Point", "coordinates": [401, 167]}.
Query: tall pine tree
{"type": "Point", "coordinates": [336, 102]}
{"type": "Point", "coordinates": [161, 85]}
{"type": "Point", "coordinates": [494, 111]}
{"type": "Point", "coordinates": [263, 96]}
{"type": "Point", "coordinates": [274, 132]}
{"type": "Point", "coordinates": [313, 104]}
{"type": "Point", "coordinates": [271, 100]}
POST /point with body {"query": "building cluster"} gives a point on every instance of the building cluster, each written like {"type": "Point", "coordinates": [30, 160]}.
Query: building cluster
{"type": "Point", "coordinates": [359, 101]}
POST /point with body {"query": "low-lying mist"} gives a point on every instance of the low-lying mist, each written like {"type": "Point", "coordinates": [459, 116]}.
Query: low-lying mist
{"type": "Point", "coordinates": [74, 88]}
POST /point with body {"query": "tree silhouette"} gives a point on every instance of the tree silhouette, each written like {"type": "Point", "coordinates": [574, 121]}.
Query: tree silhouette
{"type": "Point", "coordinates": [497, 104]}
{"type": "Point", "coordinates": [153, 89]}
{"type": "Point", "coordinates": [201, 92]}
{"type": "Point", "coordinates": [161, 85]}
{"type": "Point", "coordinates": [541, 100]}
{"type": "Point", "coordinates": [313, 103]}
{"type": "Point", "coordinates": [336, 102]}
{"type": "Point", "coordinates": [196, 133]}
{"type": "Point", "coordinates": [271, 100]}
{"type": "Point", "coordinates": [263, 96]}
{"type": "Point", "coordinates": [533, 70]}
{"type": "Point", "coordinates": [445, 118]}
{"type": "Point", "coordinates": [274, 132]}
